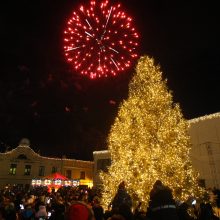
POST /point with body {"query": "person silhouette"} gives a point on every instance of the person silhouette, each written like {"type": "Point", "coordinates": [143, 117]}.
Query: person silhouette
{"type": "Point", "coordinates": [162, 205]}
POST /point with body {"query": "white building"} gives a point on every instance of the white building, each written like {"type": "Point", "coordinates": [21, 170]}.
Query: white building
{"type": "Point", "coordinates": [205, 138]}
{"type": "Point", "coordinates": [205, 154]}
{"type": "Point", "coordinates": [20, 165]}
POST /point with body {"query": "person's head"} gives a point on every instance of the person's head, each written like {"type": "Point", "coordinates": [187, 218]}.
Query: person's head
{"type": "Point", "coordinates": [96, 200]}
{"type": "Point", "coordinates": [158, 183]}
{"type": "Point", "coordinates": [183, 206]}
{"type": "Point", "coordinates": [208, 208]}
{"type": "Point", "coordinates": [79, 211]}
{"type": "Point", "coordinates": [122, 185]}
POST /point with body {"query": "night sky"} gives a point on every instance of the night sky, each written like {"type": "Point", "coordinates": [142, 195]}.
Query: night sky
{"type": "Point", "coordinates": [63, 113]}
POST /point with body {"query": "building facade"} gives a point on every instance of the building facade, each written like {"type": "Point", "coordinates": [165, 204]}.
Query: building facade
{"type": "Point", "coordinates": [20, 165]}
{"type": "Point", "coordinates": [205, 152]}
{"type": "Point", "coordinates": [102, 160]}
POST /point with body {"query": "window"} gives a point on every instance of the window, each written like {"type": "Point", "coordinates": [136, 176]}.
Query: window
{"type": "Point", "coordinates": [41, 171]}
{"type": "Point", "coordinates": [201, 183]}
{"type": "Point", "coordinates": [103, 164]}
{"type": "Point", "coordinates": [82, 175]}
{"type": "Point", "coordinates": [27, 170]}
{"type": "Point", "coordinates": [69, 174]}
{"type": "Point", "coordinates": [54, 170]}
{"type": "Point", "coordinates": [209, 149]}
{"type": "Point", "coordinates": [12, 170]}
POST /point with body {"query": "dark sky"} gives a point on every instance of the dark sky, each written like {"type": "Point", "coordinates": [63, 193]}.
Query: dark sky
{"type": "Point", "coordinates": [64, 113]}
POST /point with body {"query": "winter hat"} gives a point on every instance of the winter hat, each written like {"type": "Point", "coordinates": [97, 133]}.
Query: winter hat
{"type": "Point", "coordinates": [79, 211]}
{"type": "Point", "coordinates": [158, 183]}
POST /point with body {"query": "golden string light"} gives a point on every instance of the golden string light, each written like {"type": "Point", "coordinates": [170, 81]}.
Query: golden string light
{"type": "Point", "coordinates": [149, 140]}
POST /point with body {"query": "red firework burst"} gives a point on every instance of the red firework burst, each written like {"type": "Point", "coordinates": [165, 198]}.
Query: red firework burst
{"type": "Point", "coordinates": [100, 40]}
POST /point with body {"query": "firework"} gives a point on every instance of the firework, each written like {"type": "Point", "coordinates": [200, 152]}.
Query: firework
{"type": "Point", "coordinates": [100, 40]}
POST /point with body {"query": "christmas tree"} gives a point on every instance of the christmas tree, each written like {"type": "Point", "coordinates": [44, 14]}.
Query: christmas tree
{"type": "Point", "coordinates": [149, 140]}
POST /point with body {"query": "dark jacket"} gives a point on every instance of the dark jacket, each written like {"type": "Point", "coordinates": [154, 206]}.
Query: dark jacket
{"type": "Point", "coordinates": [122, 204]}
{"type": "Point", "coordinates": [121, 198]}
{"type": "Point", "coordinates": [162, 205]}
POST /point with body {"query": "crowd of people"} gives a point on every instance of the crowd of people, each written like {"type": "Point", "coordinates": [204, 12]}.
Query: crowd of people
{"type": "Point", "coordinates": [84, 204]}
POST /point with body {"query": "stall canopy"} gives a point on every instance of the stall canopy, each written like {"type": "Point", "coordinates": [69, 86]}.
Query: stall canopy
{"type": "Point", "coordinates": [54, 181]}
{"type": "Point", "coordinates": [55, 176]}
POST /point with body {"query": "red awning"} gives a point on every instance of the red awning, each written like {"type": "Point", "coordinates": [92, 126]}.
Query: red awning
{"type": "Point", "coordinates": [56, 176]}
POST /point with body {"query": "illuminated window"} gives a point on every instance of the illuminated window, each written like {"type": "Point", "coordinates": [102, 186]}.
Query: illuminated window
{"type": "Point", "coordinates": [82, 175]}
{"type": "Point", "coordinates": [12, 170]}
{"type": "Point", "coordinates": [41, 171]}
{"type": "Point", "coordinates": [69, 174]}
{"type": "Point", "coordinates": [54, 170]}
{"type": "Point", "coordinates": [27, 170]}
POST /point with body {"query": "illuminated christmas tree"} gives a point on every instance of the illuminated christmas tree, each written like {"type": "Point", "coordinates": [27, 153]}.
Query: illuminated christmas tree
{"type": "Point", "coordinates": [149, 140]}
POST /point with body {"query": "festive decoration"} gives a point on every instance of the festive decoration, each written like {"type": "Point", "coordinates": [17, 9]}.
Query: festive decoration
{"type": "Point", "coordinates": [47, 182]}
{"type": "Point", "coordinates": [205, 117]}
{"type": "Point", "coordinates": [100, 40]}
{"type": "Point", "coordinates": [149, 141]}
{"type": "Point", "coordinates": [55, 181]}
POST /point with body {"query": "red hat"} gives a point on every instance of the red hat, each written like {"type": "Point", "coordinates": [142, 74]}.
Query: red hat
{"type": "Point", "coordinates": [78, 211]}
